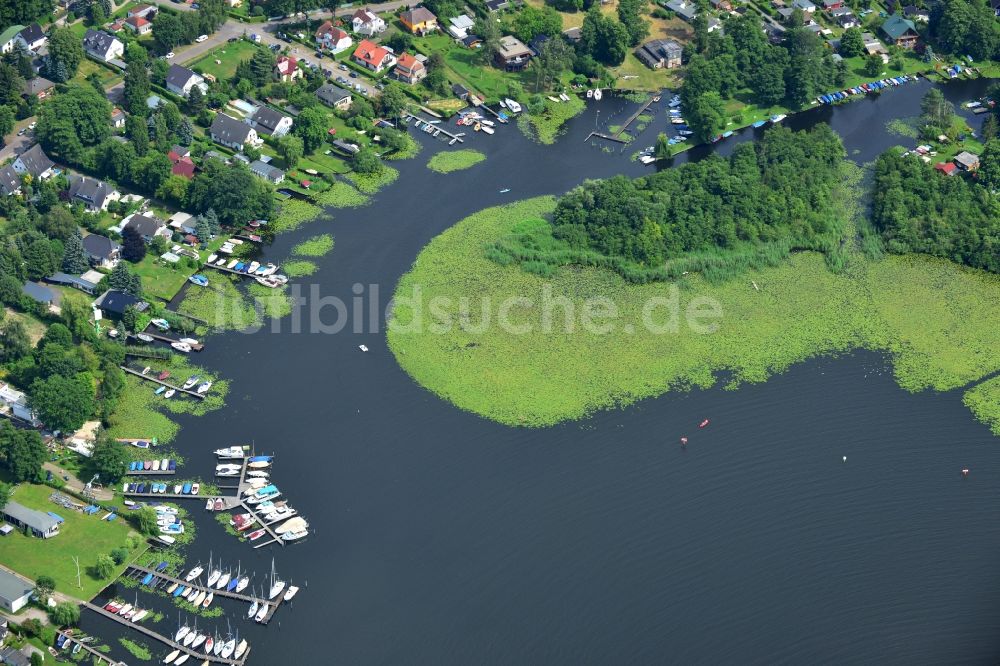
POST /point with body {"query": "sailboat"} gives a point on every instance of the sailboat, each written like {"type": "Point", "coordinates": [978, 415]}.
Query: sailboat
{"type": "Point", "coordinates": [170, 657]}
{"type": "Point", "coordinates": [193, 634]}
{"type": "Point", "coordinates": [194, 573]}
{"type": "Point", "coordinates": [208, 600]}
{"type": "Point", "coordinates": [214, 575]}
{"type": "Point", "coordinates": [277, 585]}
{"type": "Point", "coordinates": [181, 633]}
{"type": "Point", "coordinates": [199, 639]}
{"type": "Point", "coordinates": [223, 580]}
{"type": "Point", "coordinates": [240, 649]}
{"type": "Point", "coordinates": [181, 659]}
{"type": "Point", "coordinates": [253, 609]}
{"type": "Point", "coordinates": [209, 644]}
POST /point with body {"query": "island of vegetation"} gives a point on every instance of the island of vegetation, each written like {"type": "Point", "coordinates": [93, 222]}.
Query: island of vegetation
{"type": "Point", "coordinates": [447, 161]}
{"type": "Point", "coordinates": [934, 317]}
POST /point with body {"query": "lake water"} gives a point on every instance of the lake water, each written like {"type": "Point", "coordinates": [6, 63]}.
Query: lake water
{"type": "Point", "coordinates": [443, 538]}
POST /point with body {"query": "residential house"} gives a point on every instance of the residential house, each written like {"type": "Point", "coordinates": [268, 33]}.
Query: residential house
{"type": "Point", "coordinates": [42, 525]}
{"type": "Point", "coordinates": [472, 41]}
{"type": "Point", "coordinates": [142, 11]}
{"type": "Point", "coordinates": [38, 87]}
{"type": "Point", "coordinates": [947, 168]}
{"type": "Point", "coordinates": [721, 5]}
{"type": "Point", "coordinates": [271, 174]}
{"type": "Point", "coordinates": [660, 53]}
{"type": "Point", "coordinates": [460, 26]}
{"type": "Point", "coordinates": [847, 20]}
{"type": "Point", "coordinates": [11, 656]}
{"type": "Point", "coordinates": [117, 118]}
{"type": "Point", "coordinates": [15, 404]}
{"type": "Point", "coordinates": [494, 6]}
{"type": "Point", "coordinates": [10, 181]}
{"type": "Point", "coordinates": [995, 6]}
{"type": "Point", "coordinates": [409, 69]}
{"type": "Point", "coordinates": [332, 38]}
{"type": "Point", "coordinates": [232, 133]}
{"type": "Point", "coordinates": [139, 25]}
{"type": "Point", "coordinates": [180, 81]}
{"type": "Point", "coordinates": [9, 37]}
{"type": "Point", "coordinates": [967, 161]}
{"type": "Point", "coordinates": [66, 280]}
{"type": "Point", "coordinates": [512, 55]}
{"type": "Point", "coordinates": [113, 303]}
{"type": "Point", "coordinates": [915, 13]}
{"type": "Point", "coordinates": [102, 46]}
{"type": "Point", "coordinates": [333, 96]}
{"type": "Point", "coordinates": [102, 252]}
{"type": "Point", "coordinates": [147, 225]}
{"type": "Point", "coordinates": [805, 5]}
{"type": "Point", "coordinates": [830, 5]}
{"type": "Point", "coordinates": [684, 9]}
{"type": "Point", "coordinates": [34, 161]}
{"type": "Point", "coordinates": [181, 165]}
{"type": "Point", "coordinates": [419, 20]}
{"type": "Point", "coordinates": [40, 293]}
{"type": "Point", "coordinates": [873, 46]}
{"type": "Point", "coordinates": [372, 56]}
{"type": "Point", "coordinates": [15, 592]}
{"type": "Point", "coordinates": [270, 122]}
{"type": "Point", "coordinates": [572, 35]}
{"type": "Point", "coordinates": [900, 31]}
{"type": "Point", "coordinates": [95, 195]}
{"type": "Point", "coordinates": [350, 148]}
{"type": "Point", "coordinates": [365, 22]}
{"type": "Point", "coordinates": [287, 68]}
{"type": "Point", "coordinates": [32, 37]}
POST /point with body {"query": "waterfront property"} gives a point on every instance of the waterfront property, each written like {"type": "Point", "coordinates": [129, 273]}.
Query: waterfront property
{"type": "Point", "coordinates": [513, 55]}
{"type": "Point", "coordinates": [112, 304]}
{"type": "Point", "coordinates": [15, 592]}
{"type": "Point", "coordinates": [409, 69]}
{"type": "Point", "coordinates": [660, 53]}
{"type": "Point", "coordinates": [900, 31]}
{"type": "Point", "coordinates": [41, 525]}
{"type": "Point", "coordinates": [270, 122]}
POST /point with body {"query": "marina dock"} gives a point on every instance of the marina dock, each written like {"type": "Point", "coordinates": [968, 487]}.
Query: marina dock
{"type": "Point", "coordinates": [97, 654]}
{"type": "Point", "coordinates": [150, 378]}
{"type": "Point", "coordinates": [433, 129]}
{"type": "Point", "coordinates": [196, 655]}
{"type": "Point", "coordinates": [266, 526]}
{"type": "Point", "coordinates": [617, 136]}
{"type": "Point", "coordinates": [165, 496]}
{"type": "Point", "coordinates": [152, 472]}
{"type": "Point", "coordinates": [163, 338]}
{"type": "Point", "coordinates": [223, 269]}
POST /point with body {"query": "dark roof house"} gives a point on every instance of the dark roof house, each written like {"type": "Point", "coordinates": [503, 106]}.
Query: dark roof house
{"type": "Point", "coordinates": [95, 195]}
{"type": "Point", "coordinates": [659, 53]}
{"type": "Point", "coordinates": [34, 161]}
{"type": "Point", "coordinates": [333, 96]}
{"type": "Point", "coordinates": [10, 181]}
{"type": "Point", "coordinates": [101, 250]}
{"type": "Point", "coordinates": [231, 132]}
{"type": "Point", "coordinates": [270, 121]}
{"type": "Point", "coordinates": [900, 31]}
{"type": "Point", "coordinates": [112, 303]}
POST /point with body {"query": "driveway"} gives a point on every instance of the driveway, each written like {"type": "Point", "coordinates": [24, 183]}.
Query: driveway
{"type": "Point", "coordinates": [15, 145]}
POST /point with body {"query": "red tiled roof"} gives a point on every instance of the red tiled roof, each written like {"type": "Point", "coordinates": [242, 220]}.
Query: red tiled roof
{"type": "Point", "coordinates": [946, 167]}
{"type": "Point", "coordinates": [370, 52]}
{"type": "Point", "coordinates": [407, 61]}
{"type": "Point", "coordinates": [287, 64]}
{"type": "Point", "coordinates": [183, 167]}
{"type": "Point", "coordinates": [136, 21]}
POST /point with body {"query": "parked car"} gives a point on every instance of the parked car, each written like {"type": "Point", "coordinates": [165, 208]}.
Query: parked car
{"type": "Point", "coordinates": [169, 55]}
{"type": "Point", "coordinates": [341, 79]}
{"type": "Point", "coordinates": [318, 54]}
{"type": "Point", "coordinates": [275, 47]}
{"type": "Point", "coordinates": [233, 39]}
{"type": "Point", "coordinates": [201, 38]}
{"type": "Point", "coordinates": [354, 75]}
{"type": "Point", "coordinates": [342, 66]}
{"type": "Point", "coordinates": [33, 125]}
{"type": "Point", "coordinates": [21, 131]}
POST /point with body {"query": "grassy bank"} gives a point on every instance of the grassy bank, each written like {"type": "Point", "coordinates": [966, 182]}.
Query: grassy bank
{"type": "Point", "coordinates": [448, 161]}
{"type": "Point", "coordinates": [83, 536]}
{"type": "Point", "coordinates": [545, 126]}
{"type": "Point", "coordinates": [934, 318]}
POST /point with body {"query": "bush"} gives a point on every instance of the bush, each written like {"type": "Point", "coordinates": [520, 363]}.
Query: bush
{"type": "Point", "coordinates": [119, 555]}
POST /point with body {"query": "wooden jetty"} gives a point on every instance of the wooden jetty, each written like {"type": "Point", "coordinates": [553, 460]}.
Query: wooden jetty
{"type": "Point", "coordinates": [275, 538]}
{"type": "Point", "coordinates": [163, 338]}
{"type": "Point", "coordinates": [165, 496]}
{"type": "Point", "coordinates": [617, 136]}
{"type": "Point", "coordinates": [223, 269]}
{"type": "Point", "coordinates": [196, 655]}
{"type": "Point", "coordinates": [432, 128]}
{"type": "Point", "coordinates": [194, 394]}
{"type": "Point", "coordinates": [101, 657]}
{"type": "Point", "coordinates": [482, 105]}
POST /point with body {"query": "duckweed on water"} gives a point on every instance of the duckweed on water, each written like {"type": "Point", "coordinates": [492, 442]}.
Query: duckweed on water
{"type": "Point", "coordinates": [342, 195]}
{"type": "Point", "coordinates": [372, 183]}
{"type": "Point", "coordinates": [937, 321]}
{"type": "Point", "coordinates": [984, 401]}
{"type": "Point", "coordinates": [299, 268]}
{"type": "Point", "coordinates": [137, 650]}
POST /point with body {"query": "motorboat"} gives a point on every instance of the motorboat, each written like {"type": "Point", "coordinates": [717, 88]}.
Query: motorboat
{"type": "Point", "coordinates": [181, 347]}
{"type": "Point", "coordinates": [141, 614]}
{"type": "Point", "coordinates": [170, 588]}
{"type": "Point", "coordinates": [290, 592]}
{"type": "Point", "coordinates": [190, 341]}
{"type": "Point", "coordinates": [259, 464]}
{"type": "Point", "coordinates": [598, 94]}
{"type": "Point", "coordinates": [190, 381]}
{"type": "Point", "coordinates": [169, 394]}
{"type": "Point", "coordinates": [257, 474]}
{"type": "Point", "coordinates": [144, 337]}
{"type": "Point", "coordinates": [124, 609]}
{"type": "Point", "coordinates": [294, 536]}
{"type": "Point", "coordinates": [512, 106]}
{"type": "Point", "coordinates": [230, 452]}
{"type": "Point", "coordinates": [703, 423]}
{"type": "Point", "coordinates": [198, 598]}
{"type": "Point", "coordinates": [296, 524]}
{"type": "Point", "coordinates": [210, 504]}
{"type": "Point", "coordinates": [195, 488]}
{"type": "Point", "coordinates": [590, 94]}
{"type": "Point", "coordinates": [199, 280]}
{"type": "Point", "coordinates": [161, 324]}
{"type": "Point", "coordinates": [268, 282]}
{"type": "Point", "coordinates": [253, 536]}
{"type": "Point", "coordinates": [203, 387]}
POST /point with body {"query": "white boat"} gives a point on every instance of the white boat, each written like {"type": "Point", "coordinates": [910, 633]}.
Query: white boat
{"type": "Point", "coordinates": [240, 649]}
{"type": "Point", "coordinates": [253, 608]}
{"type": "Point", "coordinates": [219, 644]}
{"type": "Point", "coordinates": [197, 598]}
{"type": "Point", "coordinates": [190, 638]}
{"type": "Point", "coordinates": [169, 540]}
{"type": "Point", "coordinates": [223, 581]}
{"type": "Point", "coordinates": [259, 464]}
{"type": "Point", "coordinates": [256, 474]}
{"type": "Point", "coordinates": [170, 657]}
{"type": "Point", "coordinates": [487, 129]}
{"type": "Point", "coordinates": [363, 348]}
{"type": "Point", "coordinates": [172, 510]}
{"type": "Point", "coordinates": [203, 387]}
{"type": "Point", "coordinates": [294, 536]}
{"type": "Point", "coordinates": [598, 94]}
{"type": "Point", "coordinates": [590, 93]}
{"type": "Point", "coordinates": [181, 633]}
{"type": "Point", "coordinates": [228, 472]}
{"type": "Point", "coordinates": [190, 381]}
{"type": "Point", "coordinates": [513, 106]}
{"type": "Point", "coordinates": [296, 524]}
{"type": "Point", "coordinates": [214, 577]}
{"type": "Point", "coordinates": [212, 258]}
{"type": "Point", "coordinates": [230, 452]}
{"type": "Point", "coordinates": [290, 592]}
{"type": "Point", "coordinates": [232, 263]}
{"type": "Point", "coordinates": [261, 613]}
{"type": "Point", "coordinates": [169, 394]}
{"type": "Point", "coordinates": [254, 265]}
{"type": "Point", "coordinates": [199, 639]}
{"type": "Point", "coordinates": [268, 282]}
{"type": "Point", "coordinates": [141, 614]}
{"type": "Point", "coordinates": [228, 648]}
{"type": "Point", "coordinates": [240, 586]}
{"type": "Point", "coordinates": [208, 600]}
{"type": "Point", "coordinates": [156, 465]}
{"type": "Point", "coordinates": [277, 585]}
{"type": "Point", "coordinates": [181, 659]}
{"type": "Point", "coordinates": [190, 341]}
{"type": "Point", "coordinates": [181, 347]}
{"type": "Point", "coordinates": [178, 488]}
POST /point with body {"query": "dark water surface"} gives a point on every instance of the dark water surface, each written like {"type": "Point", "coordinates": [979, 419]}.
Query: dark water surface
{"type": "Point", "coordinates": [443, 538]}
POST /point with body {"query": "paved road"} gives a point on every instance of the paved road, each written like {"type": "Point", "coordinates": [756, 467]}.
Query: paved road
{"type": "Point", "coordinates": [14, 144]}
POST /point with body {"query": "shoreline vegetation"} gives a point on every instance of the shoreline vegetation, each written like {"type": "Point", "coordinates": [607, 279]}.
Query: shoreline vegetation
{"type": "Point", "coordinates": [933, 317]}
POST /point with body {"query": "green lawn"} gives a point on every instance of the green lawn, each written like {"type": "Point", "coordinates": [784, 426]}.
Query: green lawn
{"type": "Point", "coordinates": [228, 57]}
{"type": "Point", "coordinates": [159, 278]}
{"type": "Point", "coordinates": [83, 536]}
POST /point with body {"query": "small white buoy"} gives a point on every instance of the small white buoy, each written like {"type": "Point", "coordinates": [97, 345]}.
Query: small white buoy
{"type": "Point", "coordinates": [363, 348]}
{"type": "Point", "coordinates": [845, 458]}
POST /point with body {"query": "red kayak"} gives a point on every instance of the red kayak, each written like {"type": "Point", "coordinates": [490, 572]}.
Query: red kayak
{"type": "Point", "coordinates": [703, 423]}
